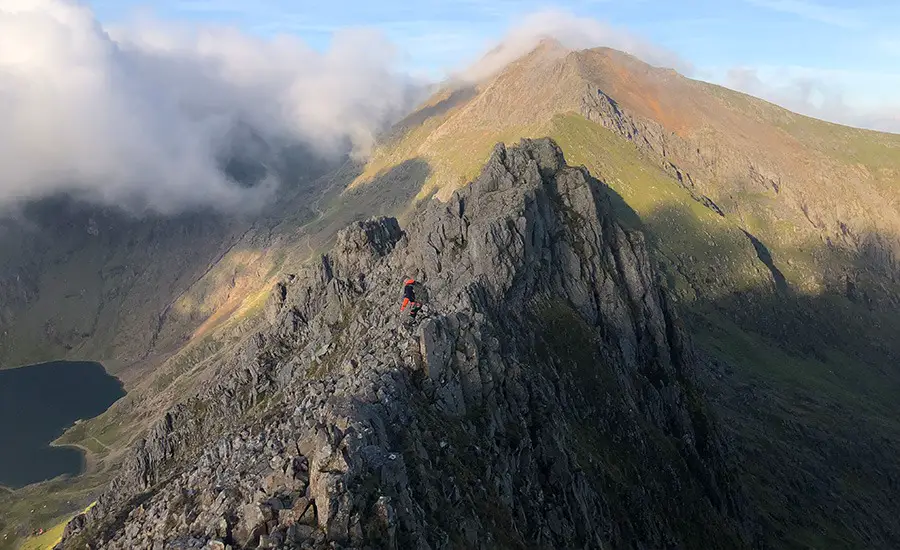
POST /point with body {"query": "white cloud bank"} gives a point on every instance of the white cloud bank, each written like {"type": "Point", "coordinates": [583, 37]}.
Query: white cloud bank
{"type": "Point", "coordinates": [135, 116]}
{"type": "Point", "coordinates": [138, 115]}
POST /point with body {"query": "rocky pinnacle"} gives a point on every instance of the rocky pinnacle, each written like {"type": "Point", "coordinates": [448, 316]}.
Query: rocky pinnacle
{"type": "Point", "coordinates": [545, 398]}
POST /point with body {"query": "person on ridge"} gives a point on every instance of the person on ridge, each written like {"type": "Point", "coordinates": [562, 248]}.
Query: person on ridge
{"type": "Point", "coordinates": [409, 298]}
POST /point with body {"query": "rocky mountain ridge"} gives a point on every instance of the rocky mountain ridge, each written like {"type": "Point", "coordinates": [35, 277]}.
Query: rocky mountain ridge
{"type": "Point", "coordinates": [547, 398]}
{"type": "Point", "coordinates": [801, 187]}
{"type": "Point", "coordinates": [776, 235]}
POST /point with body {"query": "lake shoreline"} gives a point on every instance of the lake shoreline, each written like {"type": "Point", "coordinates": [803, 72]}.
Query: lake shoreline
{"type": "Point", "coordinates": [24, 365]}
{"type": "Point", "coordinates": [88, 465]}
{"type": "Point", "coordinates": [90, 462]}
{"type": "Point", "coordinates": [79, 391]}
{"type": "Point", "coordinates": [89, 458]}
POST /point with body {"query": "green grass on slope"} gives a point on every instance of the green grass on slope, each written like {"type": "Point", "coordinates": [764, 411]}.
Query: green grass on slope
{"type": "Point", "coordinates": [875, 150]}
{"type": "Point", "coordinates": [50, 537]}
{"type": "Point", "coordinates": [832, 374]}
{"type": "Point", "coordinates": [817, 437]}
{"type": "Point", "coordinates": [47, 540]}
{"type": "Point", "coordinates": [815, 416]}
{"type": "Point", "coordinates": [454, 158]}
{"type": "Point", "coordinates": [704, 252]}
{"type": "Point", "coordinates": [705, 255]}
{"type": "Point", "coordinates": [878, 153]}
{"type": "Point", "coordinates": [42, 506]}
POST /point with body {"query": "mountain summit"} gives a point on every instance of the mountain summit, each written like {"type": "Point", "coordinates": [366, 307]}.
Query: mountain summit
{"type": "Point", "coordinates": [796, 181]}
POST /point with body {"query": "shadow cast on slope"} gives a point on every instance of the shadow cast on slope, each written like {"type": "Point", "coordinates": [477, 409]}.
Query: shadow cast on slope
{"type": "Point", "coordinates": [805, 384]}
{"type": "Point", "coordinates": [390, 193]}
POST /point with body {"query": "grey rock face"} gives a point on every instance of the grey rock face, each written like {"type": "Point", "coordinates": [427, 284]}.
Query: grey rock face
{"type": "Point", "coordinates": [544, 399]}
{"type": "Point", "coordinates": [711, 172]}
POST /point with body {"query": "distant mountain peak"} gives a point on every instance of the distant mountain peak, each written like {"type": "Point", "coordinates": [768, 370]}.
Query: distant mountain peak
{"type": "Point", "coordinates": [549, 43]}
{"type": "Point", "coordinates": [513, 52]}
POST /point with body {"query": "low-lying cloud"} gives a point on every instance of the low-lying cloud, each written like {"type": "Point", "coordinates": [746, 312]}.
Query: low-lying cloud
{"type": "Point", "coordinates": [572, 32]}
{"type": "Point", "coordinates": [815, 97]}
{"type": "Point", "coordinates": [138, 116]}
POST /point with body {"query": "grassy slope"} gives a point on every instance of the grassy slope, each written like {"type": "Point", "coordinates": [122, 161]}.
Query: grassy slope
{"type": "Point", "coordinates": [792, 181]}
{"type": "Point", "coordinates": [683, 230]}
{"type": "Point", "coordinates": [43, 506]}
{"type": "Point", "coordinates": [806, 409]}
{"type": "Point", "coordinates": [816, 434]}
{"type": "Point", "coordinates": [50, 538]}
{"type": "Point", "coordinates": [842, 173]}
{"type": "Point", "coordinates": [707, 258]}
{"type": "Point", "coordinates": [878, 153]}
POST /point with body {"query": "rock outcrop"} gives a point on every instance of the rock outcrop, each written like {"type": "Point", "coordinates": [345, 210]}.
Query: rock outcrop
{"type": "Point", "coordinates": [545, 398]}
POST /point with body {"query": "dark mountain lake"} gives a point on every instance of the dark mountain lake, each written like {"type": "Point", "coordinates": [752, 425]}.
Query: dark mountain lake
{"type": "Point", "coordinates": [37, 404]}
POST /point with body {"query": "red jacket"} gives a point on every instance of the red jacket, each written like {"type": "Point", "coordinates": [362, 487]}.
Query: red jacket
{"type": "Point", "coordinates": [409, 296]}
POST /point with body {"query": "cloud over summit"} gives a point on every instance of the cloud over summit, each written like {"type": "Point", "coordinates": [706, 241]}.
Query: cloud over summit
{"type": "Point", "coordinates": [138, 115]}
{"type": "Point", "coordinates": [573, 32]}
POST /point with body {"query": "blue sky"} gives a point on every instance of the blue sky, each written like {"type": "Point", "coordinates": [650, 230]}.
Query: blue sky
{"type": "Point", "coordinates": [849, 49]}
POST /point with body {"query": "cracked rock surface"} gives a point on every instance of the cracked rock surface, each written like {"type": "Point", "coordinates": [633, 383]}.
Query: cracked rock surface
{"type": "Point", "coordinates": [544, 398]}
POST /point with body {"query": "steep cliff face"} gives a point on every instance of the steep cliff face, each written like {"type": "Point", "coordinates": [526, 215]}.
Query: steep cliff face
{"type": "Point", "coordinates": [545, 397]}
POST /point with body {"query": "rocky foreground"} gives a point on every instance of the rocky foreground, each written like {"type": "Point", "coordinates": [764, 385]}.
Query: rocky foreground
{"type": "Point", "coordinates": [546, 399]}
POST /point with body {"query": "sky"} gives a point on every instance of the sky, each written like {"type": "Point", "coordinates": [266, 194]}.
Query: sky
{"type": "Point", "coordinates": [838, 52]}
{"type": "Point", "coordinates": [138, 103]}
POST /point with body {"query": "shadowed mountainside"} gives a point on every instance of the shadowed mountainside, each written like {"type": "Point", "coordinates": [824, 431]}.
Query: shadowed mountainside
{"type": "Point", "coordinates": [84, 281]}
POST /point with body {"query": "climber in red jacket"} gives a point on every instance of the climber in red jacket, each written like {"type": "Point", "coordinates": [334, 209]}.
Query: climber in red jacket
{"type": "Point", "coordinates": [409, 298]}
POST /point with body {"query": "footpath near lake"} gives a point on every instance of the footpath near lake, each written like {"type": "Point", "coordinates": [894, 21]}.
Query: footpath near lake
{"type": "Point", "coordinates": [37, 404]}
